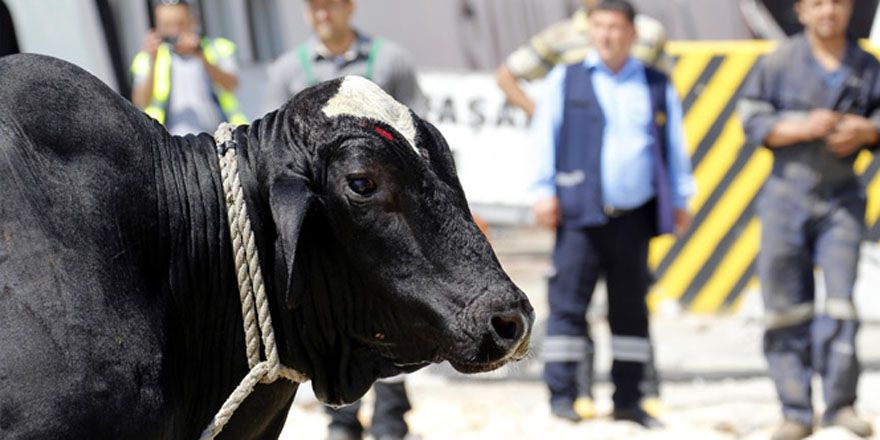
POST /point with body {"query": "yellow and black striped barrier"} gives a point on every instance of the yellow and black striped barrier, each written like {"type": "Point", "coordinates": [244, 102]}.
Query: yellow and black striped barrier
{"type": "Point", "coordinates": [708, 268]}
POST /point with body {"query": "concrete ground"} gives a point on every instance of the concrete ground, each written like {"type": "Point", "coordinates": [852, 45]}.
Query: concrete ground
{"type": "Point", "coordinates": [715, 384]}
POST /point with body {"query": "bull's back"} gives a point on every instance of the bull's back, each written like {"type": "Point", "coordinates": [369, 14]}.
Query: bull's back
{"type": "Point", "coordinates": [74, 168]}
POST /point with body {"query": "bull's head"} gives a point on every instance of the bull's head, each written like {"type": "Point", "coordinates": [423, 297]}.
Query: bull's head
{"type": "Point", "coordinates": [377, 254]}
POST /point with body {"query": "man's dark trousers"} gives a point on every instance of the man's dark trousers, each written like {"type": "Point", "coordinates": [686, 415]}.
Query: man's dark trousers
{"type": "Point", "coordinates": [391, 405]}
{"type": "Point", "coordinates": [619, 250]}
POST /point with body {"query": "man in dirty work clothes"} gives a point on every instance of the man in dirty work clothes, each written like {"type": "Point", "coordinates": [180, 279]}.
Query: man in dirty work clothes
{"type": "Point", "coordinates": [814, 103]}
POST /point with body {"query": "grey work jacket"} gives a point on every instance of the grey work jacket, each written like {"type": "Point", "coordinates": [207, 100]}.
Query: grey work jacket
{"type": "Point", "coordinates": [789, 83]}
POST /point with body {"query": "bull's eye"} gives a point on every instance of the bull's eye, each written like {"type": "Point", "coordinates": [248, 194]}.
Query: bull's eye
{"type": "Point", "coordinates": [362, 185]}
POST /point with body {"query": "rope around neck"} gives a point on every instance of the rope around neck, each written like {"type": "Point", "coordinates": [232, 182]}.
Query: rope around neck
{"type": "Point", "coordinates": [251, 289]}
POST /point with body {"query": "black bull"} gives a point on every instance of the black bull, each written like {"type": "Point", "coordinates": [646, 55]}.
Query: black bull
{"type": "Point", "coordinates": [119, 311]}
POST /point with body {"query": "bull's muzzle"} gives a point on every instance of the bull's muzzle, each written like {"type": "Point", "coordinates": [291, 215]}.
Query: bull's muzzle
{"type": "Point", "coordinates": [502, 324]}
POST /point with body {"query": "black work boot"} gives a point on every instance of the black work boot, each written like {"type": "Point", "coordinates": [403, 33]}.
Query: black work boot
{"type": "Point", "coordinates": [638, 415]}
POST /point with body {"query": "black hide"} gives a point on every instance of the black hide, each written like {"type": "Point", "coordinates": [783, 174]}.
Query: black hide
{"type": "Point", "coordinates": [119, 311]}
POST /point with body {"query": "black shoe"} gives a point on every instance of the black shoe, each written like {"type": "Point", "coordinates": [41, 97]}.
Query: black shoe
{"type": "Point", "coordinates": [565, 410]}
{"type": "Point", "coordinates": [638, 415]}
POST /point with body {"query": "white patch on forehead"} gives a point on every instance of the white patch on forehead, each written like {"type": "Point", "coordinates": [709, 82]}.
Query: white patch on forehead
{"type": "Point", "coordinates": [360, 97]}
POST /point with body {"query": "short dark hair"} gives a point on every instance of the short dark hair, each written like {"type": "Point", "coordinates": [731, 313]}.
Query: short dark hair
{"type": "Point", "coordinates": [623, 6]}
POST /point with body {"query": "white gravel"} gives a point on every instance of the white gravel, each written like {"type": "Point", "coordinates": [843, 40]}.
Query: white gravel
{"type": "Point", "coordinates": [451, 409]}
{"type": "Point", "coordinates": [735, 401]}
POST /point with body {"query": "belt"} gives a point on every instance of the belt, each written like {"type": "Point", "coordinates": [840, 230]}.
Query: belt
{"type": "Point", "coordinates": [612, 212]}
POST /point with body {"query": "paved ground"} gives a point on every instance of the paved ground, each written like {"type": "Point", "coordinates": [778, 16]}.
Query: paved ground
{"type": "Point", "coordinates": [715, 385]}
{"type": "Point", "coordinates": [445, 409]}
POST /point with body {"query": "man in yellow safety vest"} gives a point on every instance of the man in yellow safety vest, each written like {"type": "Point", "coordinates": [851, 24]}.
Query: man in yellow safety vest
{"type": "Point", "coordinates": [183, 81]}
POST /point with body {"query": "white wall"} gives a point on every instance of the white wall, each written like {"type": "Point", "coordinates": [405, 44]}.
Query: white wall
{"type": "Point", "coordinates": [66, 29]}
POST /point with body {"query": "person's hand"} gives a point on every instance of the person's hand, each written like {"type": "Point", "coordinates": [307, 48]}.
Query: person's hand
{"type": "Point", "coordinates": [151, 43]}
{"type": "Point", "coordinates": [819, 124]}
{"type": "Point", "coordinates": [850, 134]}
{"type": "Point", "coordinates": [188, 43]}
{"type": "Point", "coordinates": [683, 220]}
{"type": "Point", "coordinates": [547, 212]}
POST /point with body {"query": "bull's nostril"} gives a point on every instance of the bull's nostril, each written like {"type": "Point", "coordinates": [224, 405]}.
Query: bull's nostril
{"type": "Point", "coordinates": [507, 327]}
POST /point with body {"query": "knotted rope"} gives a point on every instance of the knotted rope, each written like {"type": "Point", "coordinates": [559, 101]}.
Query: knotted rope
{"type": "Point", "coordinates": [251, 289]}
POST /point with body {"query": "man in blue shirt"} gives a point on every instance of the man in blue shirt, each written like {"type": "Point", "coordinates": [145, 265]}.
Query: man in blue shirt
{"type": "Point", "coordinates": [814, 102]}
{"type": "Point", "coordinates": [612, 172]}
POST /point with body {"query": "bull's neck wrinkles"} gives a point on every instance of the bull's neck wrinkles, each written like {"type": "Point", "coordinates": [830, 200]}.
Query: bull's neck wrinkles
{"type": "Point", "coordinates": [204, 322]}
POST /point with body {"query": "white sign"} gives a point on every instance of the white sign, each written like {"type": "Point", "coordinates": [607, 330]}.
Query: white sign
{"type": "Point", "coordinates": [488, 137]}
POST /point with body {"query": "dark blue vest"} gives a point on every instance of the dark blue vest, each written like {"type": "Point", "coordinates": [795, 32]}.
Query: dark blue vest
{"type": "Point", "coordinates": [579, 149]}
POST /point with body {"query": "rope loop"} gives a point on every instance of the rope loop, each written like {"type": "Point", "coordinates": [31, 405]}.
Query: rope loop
{"type": "Point", "coordinates": [256, 318]}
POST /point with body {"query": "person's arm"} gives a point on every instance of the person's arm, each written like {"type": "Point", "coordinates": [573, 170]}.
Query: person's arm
{"type": "Point", "coordinates": [854, 132]}
{"type": "Point", "coordinates": [874, 111]}
{"type": "Point", "coordinates": [529, 62]}
{"type": "Point", "coordinates": [227, 80]}
{"type": "Point", "coordinates": [818, 124]}
{"type": "Point", "coordinates": [757, 113]}
{"type": "Point", "coordinates": [143, 69]}
{"type": "Point", "coordinates": [514, 92]}
{"type": "Point", "coordinates": [850, 134]}
{"type": "Point", "coordinates": [544, 130]}
{"type": "Point", "coordinates": [681, 179]}
{"type": "Point", "coordinates": [765, 125]}
{"type": "Point", "coordinates": [142, 89]}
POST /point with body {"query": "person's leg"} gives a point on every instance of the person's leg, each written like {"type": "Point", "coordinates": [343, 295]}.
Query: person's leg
{"type": "Point", "coordinates": [650, 384]}
{"type": "Point", "coordinates": [392, 404]}
{"type": "Point", "coordinates": [344, 422]}
{"type": "Point", "coordinates": [576, 267]}
{"type": "Point", "coordinates": [834, 332]}
{"type": "Point", "coordinates": [586, 370]}
{"type": "Point", "coordinates": [785, 269]}
{"type": "Point", "coordinates": [584, 405]}
{"type": "Point", "coordinates": [624, 246]}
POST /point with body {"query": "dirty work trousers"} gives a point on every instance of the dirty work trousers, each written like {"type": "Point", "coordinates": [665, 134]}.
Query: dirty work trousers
{"type": "Point", "coordinates": [800, 232]}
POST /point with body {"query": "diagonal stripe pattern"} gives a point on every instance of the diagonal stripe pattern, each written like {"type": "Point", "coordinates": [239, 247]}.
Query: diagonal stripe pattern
{"type": "Point", "coordinates": [709, 267]}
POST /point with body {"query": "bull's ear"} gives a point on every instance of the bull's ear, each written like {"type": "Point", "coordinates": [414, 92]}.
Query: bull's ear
{"type": "Point", "coordinates": [442, 160]}
{"type": "Point", "coordinates": [289, 200]}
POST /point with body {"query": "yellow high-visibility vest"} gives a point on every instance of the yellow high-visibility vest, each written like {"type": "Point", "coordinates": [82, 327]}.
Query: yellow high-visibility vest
{"type": "Point", "coordinates": [213, 49]}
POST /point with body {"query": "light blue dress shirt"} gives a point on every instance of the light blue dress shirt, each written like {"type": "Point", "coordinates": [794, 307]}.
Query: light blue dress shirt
{"type": "Point", "coordinates": [627, 170]}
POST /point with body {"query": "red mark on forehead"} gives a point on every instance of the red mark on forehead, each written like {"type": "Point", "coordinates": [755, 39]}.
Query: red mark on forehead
{"type": "Point", "coordinates": [384, 133]}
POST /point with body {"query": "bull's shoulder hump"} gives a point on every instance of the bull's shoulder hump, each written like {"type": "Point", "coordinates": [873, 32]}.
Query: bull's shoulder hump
{"type": "Point", "coordinates": [59, 107]}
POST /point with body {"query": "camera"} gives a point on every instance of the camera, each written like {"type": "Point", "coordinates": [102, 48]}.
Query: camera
{"type": "Point", "coordinates": [170, 40]}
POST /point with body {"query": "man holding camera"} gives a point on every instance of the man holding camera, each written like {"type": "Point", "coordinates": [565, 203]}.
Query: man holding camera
{"type": "Point", "coordinates": [183, 81]}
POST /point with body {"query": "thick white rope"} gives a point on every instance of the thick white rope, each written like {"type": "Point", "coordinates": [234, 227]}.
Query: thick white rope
{"type": "Point", "coordinates": [252, 292]}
